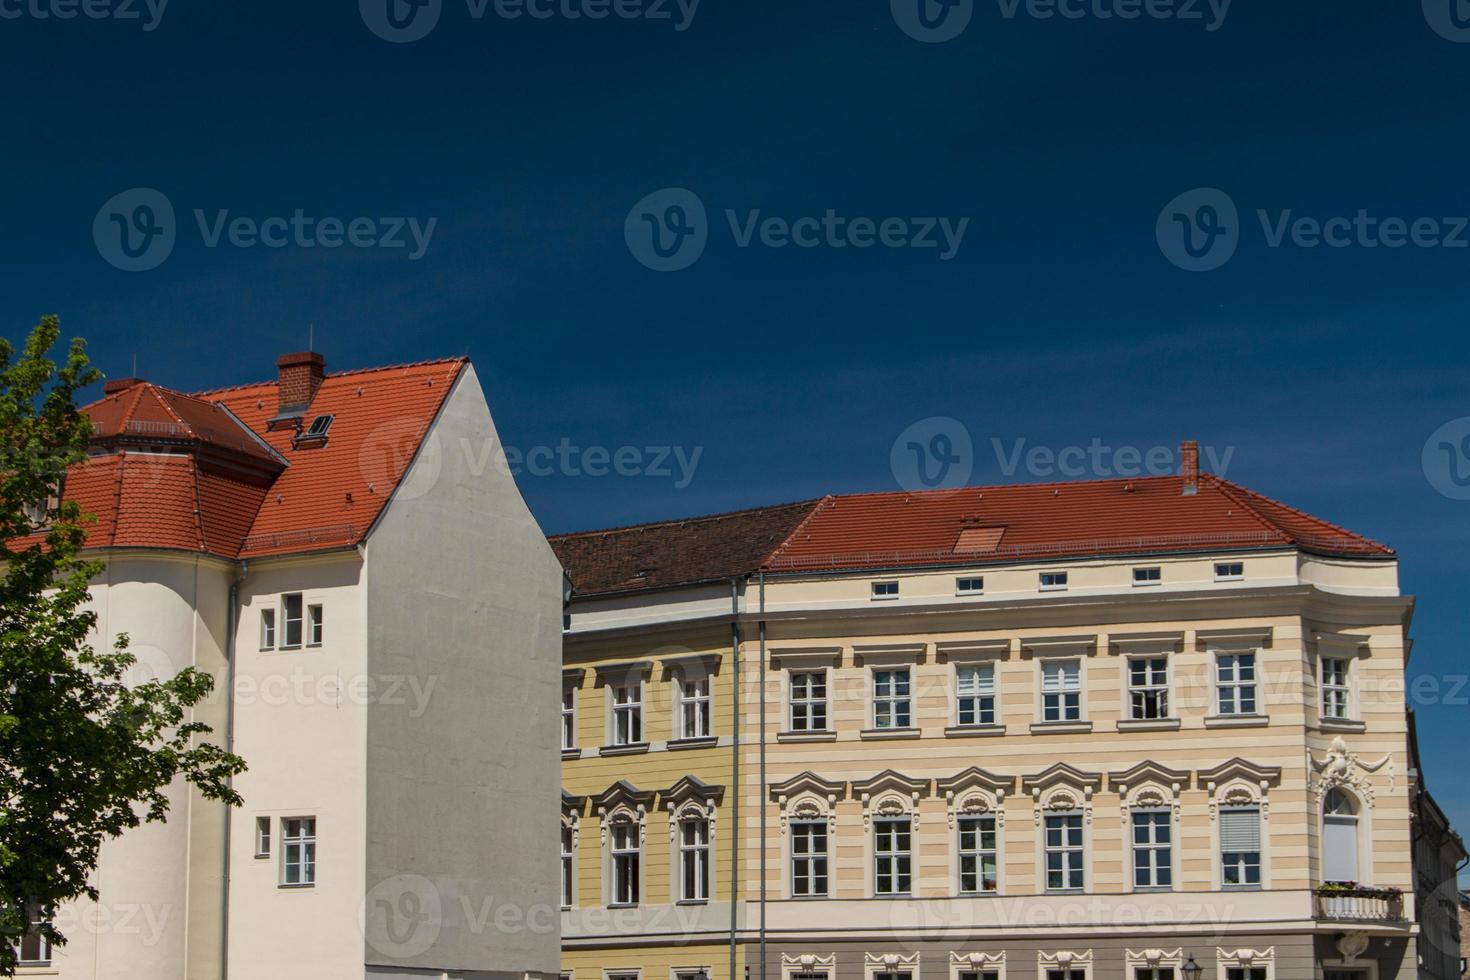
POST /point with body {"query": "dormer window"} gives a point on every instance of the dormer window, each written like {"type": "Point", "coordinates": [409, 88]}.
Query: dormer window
{"type": "Point", "coordinates": [316, 432]}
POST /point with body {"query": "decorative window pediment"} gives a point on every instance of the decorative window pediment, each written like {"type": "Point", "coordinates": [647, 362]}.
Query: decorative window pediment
{"type": "Point", "coordinates": [1342, 767]}
{"type": "Point", "coordinates": [1062, 788]}
{"type": "Point", "coordinates": [1246, 958]}
{"type": "Point", "coordinates": [1065, 959]}
{"type": "Point", "coordinates": [691, 799]}
{"type": "Point", "coordinates": [1153, 959]}
{"type": "Point", "coordinates": [622, 802]}
{"type": "Point", "coordinates": [571, 814]}
{"type": "Point", "coordinates": [874, 963]}
{"type": "Point", "coordinates": [891, 794]}
{"type": "Point", "coordinates": [976, 792]}
{"type": "Point", "coordinates": [808, 963]}
{"type": "Point", "coordinates": [808, 797]}
{"type": "Point", "coordinates": [1239, 783]}
{"type": "Point", "coordinates": [623, 673]}
{"type": "Point", "coordinates": [692, 665]}
{"type": "Point", "coordinates": [1148, 786]}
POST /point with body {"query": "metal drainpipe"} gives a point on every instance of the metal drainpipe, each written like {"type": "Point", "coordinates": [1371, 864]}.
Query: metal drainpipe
{"type": "Point", "coordinates": [232, 618]}
{"type": "Point", "coordinates": [762, 683]}
{"type": "Point", "coordinates": [735, 776]}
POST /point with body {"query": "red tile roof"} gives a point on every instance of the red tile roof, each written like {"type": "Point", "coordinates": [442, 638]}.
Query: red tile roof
{"type": "Point", "coordinates": [969, 526]}
{"type": "Point", "coordinates": [203, 472]}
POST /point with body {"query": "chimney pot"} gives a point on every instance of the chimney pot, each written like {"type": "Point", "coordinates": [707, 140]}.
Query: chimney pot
{"type": "Point", "coordinates": [1189, 466]}
{"type": "Point", "coordinates": [120, 384]}
{"type": "Point", "coordinates": [300, 375]}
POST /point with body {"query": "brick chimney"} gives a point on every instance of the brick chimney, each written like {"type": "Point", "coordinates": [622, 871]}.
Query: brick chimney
{"type": "Point", "coordinates": [300, 376]}
{"type": "Point", "coordinates": [1189, 466]}
{"type": "Point", "coordinates": [120, 384]}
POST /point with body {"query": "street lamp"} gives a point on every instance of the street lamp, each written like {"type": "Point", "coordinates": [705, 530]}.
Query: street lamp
{"type": "Point", "coordinates": [1192, 970]}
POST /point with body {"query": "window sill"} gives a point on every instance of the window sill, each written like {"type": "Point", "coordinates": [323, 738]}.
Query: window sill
{"type": "Point", "coordinates": [1060, 727]}
{"type": "Point", "coordinates": [1341, 725]}
{"type": "Point", "coordinates": [297, 888]}
{"type": "Point", "coordinates": [974, 731]}
{"type": "Point", "coordinates": [622, 905]}
{"type": "Point", "coordinates": [1240, 888]}
{"type": "Point", "coordinates": [1237, 721]}
{"type": "Point", "coordinates": [1066, 891]}
{"type": "Point", "coordinates": [1149, 725]}
{"type": "Point", "coordinates": [680, 744]}
{"type": "Point", "coordinates": [686, 902]}
{"type": "Point", "coordinates": [806, 736]}
{"type": "Point", "coordinates": [888, 734]}
{"type": "Point", "coordinates": [571, 754]}
{"type": "Point", "coordinates": [637, 748]}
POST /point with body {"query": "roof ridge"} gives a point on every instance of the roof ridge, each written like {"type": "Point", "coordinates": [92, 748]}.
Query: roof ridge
{"type": "Point", "coordinates": [698, 518]}
{"type": "Point", "coordinates": [350, 372]}
{"type": "Point", "coordinates": [163, 402]}
{"type": "Point", "coordinates": [1028, 484]}
{"type": "Point", "coordinates": [1235, 490]}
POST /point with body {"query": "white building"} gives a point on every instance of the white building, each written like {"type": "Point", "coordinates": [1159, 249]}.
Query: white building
{"type": "Point", "coordinates": [344, 553]}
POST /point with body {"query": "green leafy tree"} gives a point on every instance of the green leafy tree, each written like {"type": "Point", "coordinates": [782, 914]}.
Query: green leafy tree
{"type": "Point", "coordinates": [83, 755]}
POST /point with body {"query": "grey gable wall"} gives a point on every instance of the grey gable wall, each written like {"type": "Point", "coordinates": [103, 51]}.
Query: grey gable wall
{"type": "Point", "coordinates": [463, 593]}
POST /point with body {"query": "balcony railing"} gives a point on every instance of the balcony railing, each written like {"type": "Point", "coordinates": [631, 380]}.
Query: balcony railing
{"type": "Point", "coordinates": [1340, 904]}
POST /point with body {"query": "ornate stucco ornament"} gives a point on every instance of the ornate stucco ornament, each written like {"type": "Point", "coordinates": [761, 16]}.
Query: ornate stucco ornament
{"type": "Point", "coordinates": [1342, 767]}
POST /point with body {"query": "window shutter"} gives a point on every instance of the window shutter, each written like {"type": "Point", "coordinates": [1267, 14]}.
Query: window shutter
{"type": "Point", "coordinates": [1240, 830]}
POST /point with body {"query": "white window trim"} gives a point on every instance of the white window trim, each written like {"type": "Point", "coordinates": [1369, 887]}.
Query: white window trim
{"type": "Point", "coordinates": [1235, 795]}
{"type": "Point", "coordinates": [807, 806]}
{"type": "Point", "coordinates": [622, 815]}
{"type": "Point", "coordinates": [707, 969]}
{"type": "Point", "coordinates": [273, 629]}
{"type": "Point", "coordinates": [264, 822]}
{"type": "Point", "coordinates": [808, 963]}
{"type": "Point", "coordinates": [871, 837]}
{"type": "Point", "coordinates": [315, 839]}
{"type": "Point", "coordinates": [572, 820]}
{"type": "Point", "coordinates": [1041, 851]}
{"type": "Point", "coordinates": [566, 712]}
{"type": "Point", "coordinates": [826, 700]}
{"type": "Point", "coordinates": [1229, 577]}
{"type": "Point", "coordinates": [686, 674]}
{"type": "Point", "coordinates": [969, 578]}
{"type": "Point", "coordinates": [1065, 584]}
{"type": "Point", "coordinates": [873, 590]}
{"type": "Point", "coordinates": [1216, 653]}
{"type": "Point", "coordinates": [1129, 845]}
{"type": "Point", "coordinates": [314, 618]}
{"type": "Point", "coordinates": [610, 737]}
{"type": "Point", "coordinates": [955, 853]}
{"type": "Point", "coordinates": [1351, 649]}
{"type": "Point", "coordinates": [1040, 673]}
{"type": "Point", "coordinates": [977, 962]}
{"type": "Point", "coordinates": [1246, 959]}
{"type": "Point", "coordinates": [873, 670]}
{"type": "Point", "coordinates": [954, 698]}
{"type": "Point", "coordinates": [1145, 583]}
{"type": "Point", "coordinates": [1169, 683]}
{"type": "Point", "coordinates": [691, 810]}
{"type": "Point", "coordinates": [282, 622]}
{"type": "Point", "coordinates": [876, 964]}
{"type": "Point", "coordinates": [1064, 960]}
{"type": "Point", "coordinates": [1364, 840]}
{"type": "Point", "coordinates": [610, 974]}
{"type": "Point", "coordinates": [1153, 959]}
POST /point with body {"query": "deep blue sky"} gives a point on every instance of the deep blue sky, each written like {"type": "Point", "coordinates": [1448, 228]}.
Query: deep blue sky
{"type": "Point", "coordinates": [1059, 320]}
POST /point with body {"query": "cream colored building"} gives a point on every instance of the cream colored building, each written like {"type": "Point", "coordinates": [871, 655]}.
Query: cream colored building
{"type": "Point", "coordinates": [386, 614]}
{"type": "Point", "coordinates": [1080, 731]}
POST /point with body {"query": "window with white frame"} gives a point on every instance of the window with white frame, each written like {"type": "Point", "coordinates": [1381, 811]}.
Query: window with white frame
{"type": "Point", "coordinates": [1148, 688]}
{"type": "Point", "coordinates": [568, 717]}
{"type": "Point", "coordinates": [1053, 581]}
{"type": "Point", "coordinates": [978, 975]}
{"type": "Point", "coordinates": [1245, 973]}
{"type": "Point", "coordinates": [974, 585]}
{"type": "Point", "coordinates": [810, 975]}
{"type": "Point", "coordinates": [891, 704]}
{"type": "Point", "coordinates": [1240, 847]}
{"type": "Point", "coordinates": [623, 976]}
{"type": "Point", "coordinates": [298, 851]}
{"type": "Point", "coordinates": [694, 707]}
{"type": "Point", "coordinates": [627, 709]}
{"type": "Point", "coordinates": [1063, 845]}
{"type": "Point", "coordinates": [627, 858]}
{"type": "Point", "coordinates": [314, 625]}
{"type": "Point", "coordinates": [809, 859]}
{"type": "Point", "coordinates": [885, 590]}
{"type": "Point", "coordinates": [893, 856]}
{"type": "Point", "coordinates": [975, 694]}
{"type": "Point", "coordinates": [893, 975]}
{"type": "Point", "coordinates": [262, 837]}
{"type": "Point", "coordinates": [1153, 973]}
{"type": "Point", "coordinates": [1336, 694]}
{"type": "Point", "coordinates": [267, 629]}
{"type": "Point", "coordinates": [978, 865]}
{"type": "Point", "coordinates": [567, 865]}
{"type": "Point", "coordinates": [1235, 683]}
{"type": "Point", "coordinates": [291, 618]}
{"type": "Point", "coordinates": [1071, 974]}
{"type": "Point", "coordinates": [1153, 865]}
{"type": "Point", "coordinates": [34, 949]}
{"type": "Point", "coordinates": [1152, 575]}
{"type": "Point", "coordinates": [1229, 571]}
{"type": "Point", "coordinates": [694, 860]}
{"type": "Point", "coordinates": [1061, 690]}
{"type": "Point", "coordinates": [691, 975]}
{"type": "Point", "coordinates": [808, 700]}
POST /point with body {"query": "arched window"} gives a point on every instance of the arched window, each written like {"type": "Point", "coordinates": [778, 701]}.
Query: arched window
{"type": "Point", "coordinates": [1339, 837]}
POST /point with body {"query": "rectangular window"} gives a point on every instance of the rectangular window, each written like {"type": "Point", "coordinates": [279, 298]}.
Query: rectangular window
{"type": "Point", "coordinates": [893, 975]}
{"type": "Point", "coordinates": [1061, 690]}
{"type": "Point", "coordinates": [1053, 581]}
{"type": "Point", "coordinates": [1152, 845]}
{"type": "Point", "coordinates": [891, 699]}
{"type": "Point", "coordinates": [810, 975]}
{"type": "Point", "coordinates": [1148, 688]}
{"type": "Point", "coordinates": [314, 625]}
{"type": "Point", "coordinates": [984, 975]}
{"type": "Point", "coordinates": [809, 701]}
{"type": "Point", "coordinates": [1235, 683]}
{"type": "Point", "coordinates": [569, 717]}
{"type": "Point", "coordinates": [262, 837]}
{"type": "Point", "coordinates": [291, 617]}
{"type": "Point", "coordinates": [626, 857]}
{"type": "Point", "coordinates": [1064, 852]}
{"type": "Point", "coordinates": [628, 713]}
{"type": "Point", "coordinates": [1154, 973]}
{"type": "Point", "coordinates": [33, 949]}
{"type": "Point", "coordinates": [1229, 571]}
{"type": "Point", "coordinates": [623, 976]}
{"type": "Point", "coordinates": [1245, 973]}
{"type": "Point", "coordinates": [809, 860]}
{"type": "Point", "coordinates": [267, 629]}
{"type": "Point", "coordinates": [1240, 848]}
{"type": "Point", "coordinates": [885, 590]}
{"type": "Point", "coordinates": [893, 858]}
{"type": "Point", "coordinates": [1335, 689]}
{"type": "Point", "coordinates": [298, 851]}
{"type": "Point", "coordinates": [694, 720]}
{"type": "Point", "coordinates": [975, 691]}
{"type": "Point", "coordinates": [566, 866]}
{"type": "Point", "coordinates": [1148, 576]}
{"type": "Point", "coordinates": [969, 586]}
{"type": "Point", "coordinates": [694, 860]}
{"type": "Point", "coordinates": [978, 865]}
{"type": "Point", "coordinates": [1066, 975]}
